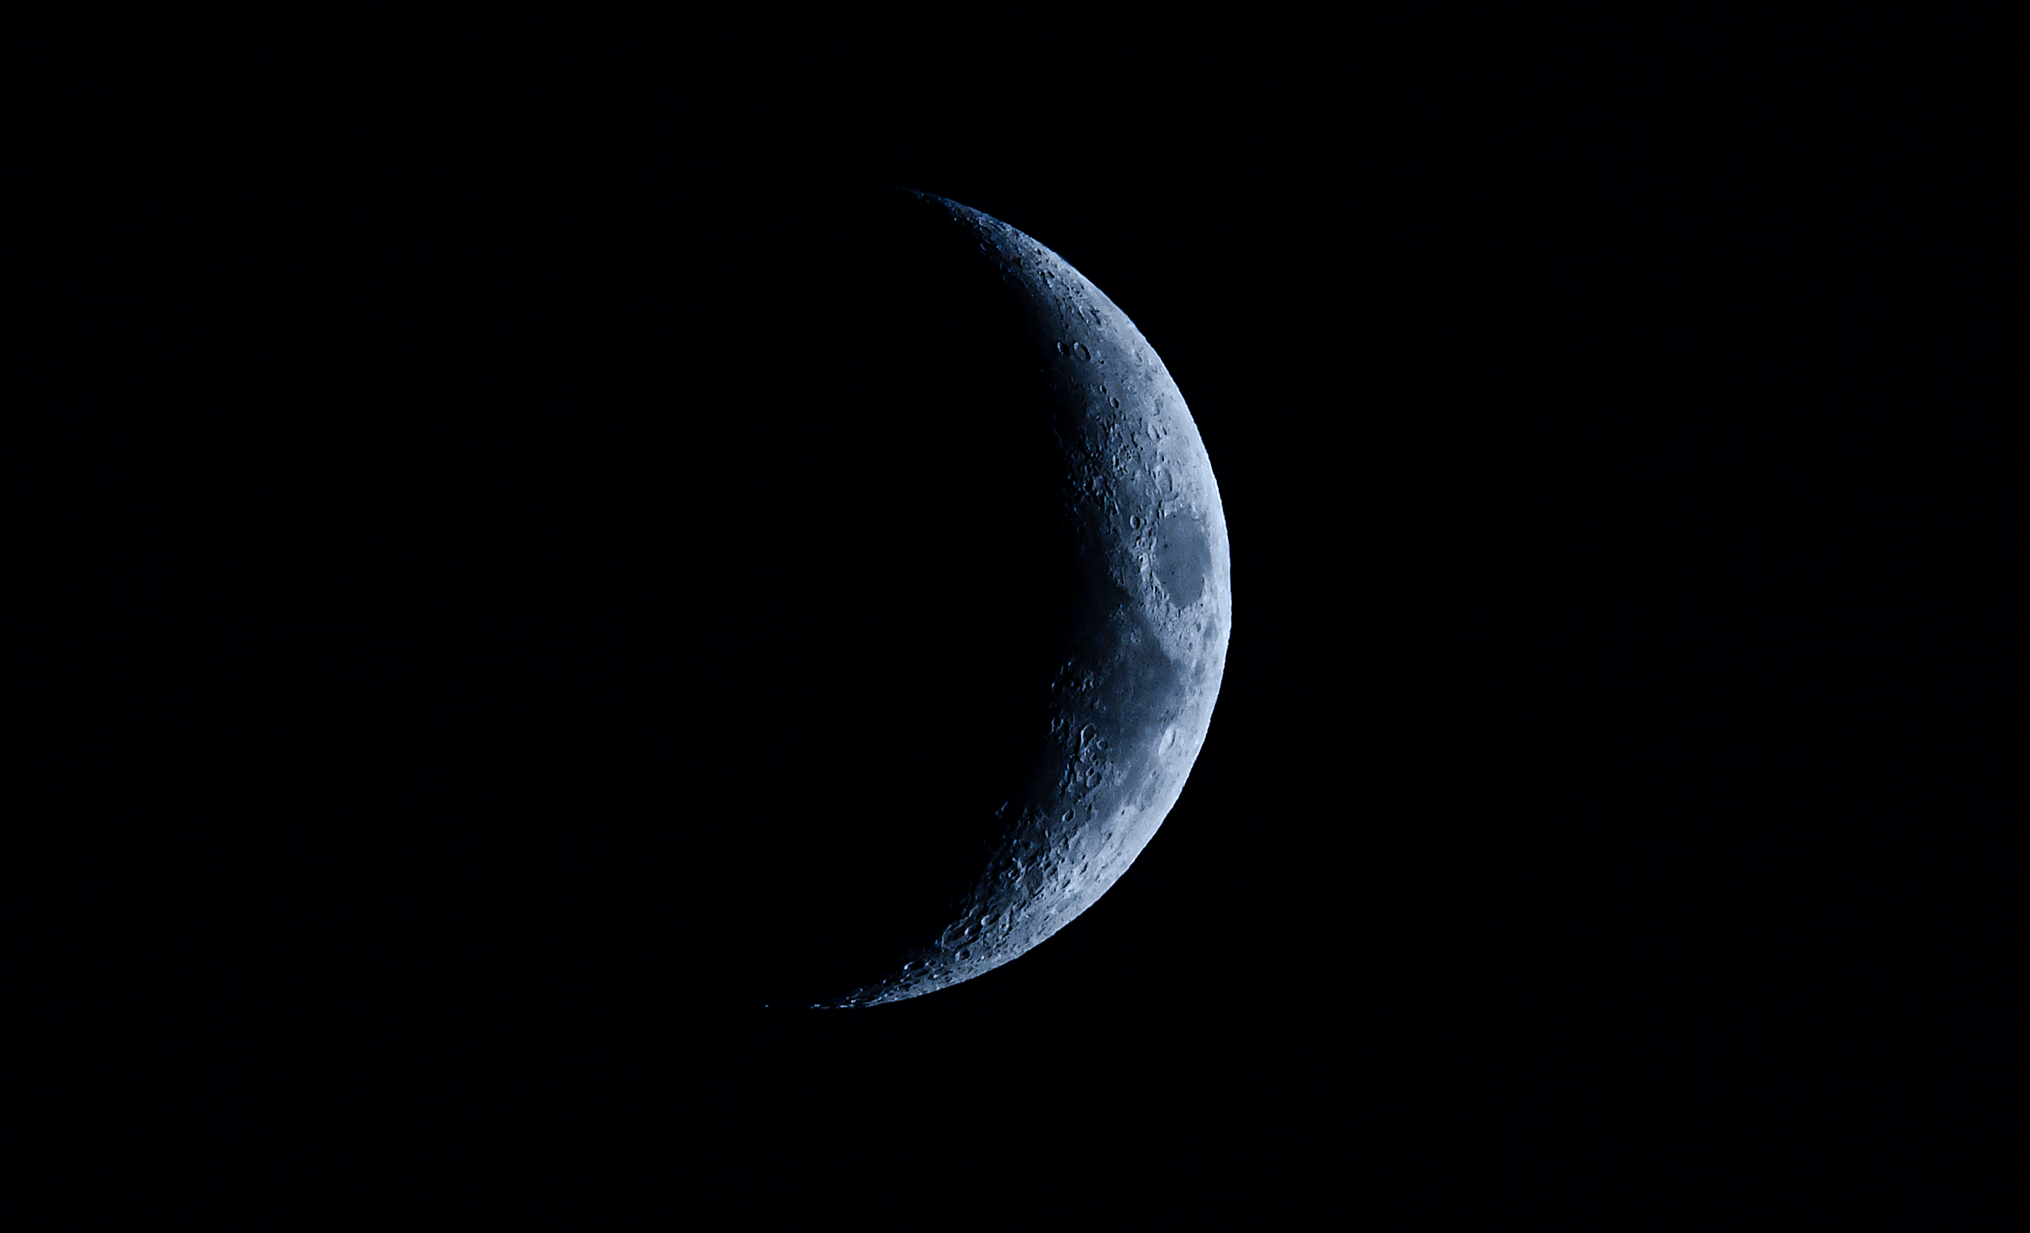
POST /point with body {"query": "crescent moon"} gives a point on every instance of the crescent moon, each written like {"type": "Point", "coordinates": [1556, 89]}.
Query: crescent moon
{"type": "Point", "coordinates": [1132, 694]}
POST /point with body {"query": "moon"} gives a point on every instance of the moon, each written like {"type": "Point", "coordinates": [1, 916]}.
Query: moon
{"type": "Point", "coordinates": [815, 597]}
{"type": "Point", "coordinates": [1104, 564]}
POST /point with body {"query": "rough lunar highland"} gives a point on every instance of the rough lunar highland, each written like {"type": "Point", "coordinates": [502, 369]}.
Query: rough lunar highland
{"type": "Point", "coordinates": [1134, 693]}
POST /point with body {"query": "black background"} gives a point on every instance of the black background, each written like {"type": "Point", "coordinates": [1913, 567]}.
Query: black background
{"type": "Point", "coordinates": [1564, 808]}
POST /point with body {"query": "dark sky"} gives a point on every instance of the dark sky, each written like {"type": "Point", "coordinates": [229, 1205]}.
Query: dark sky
{"type": "Point", "coordinates": [1556, 513]}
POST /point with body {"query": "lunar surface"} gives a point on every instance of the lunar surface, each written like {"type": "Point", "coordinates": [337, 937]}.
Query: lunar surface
{"type": "Point", "coordinates": [1086, 576]}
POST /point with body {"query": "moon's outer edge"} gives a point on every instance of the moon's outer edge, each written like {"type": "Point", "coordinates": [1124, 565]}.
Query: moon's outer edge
{"type": "Point", "coordinates": [1151, 528]}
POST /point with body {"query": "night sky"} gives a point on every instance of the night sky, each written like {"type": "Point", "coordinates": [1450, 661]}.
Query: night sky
{"type": "Point", "coordinates": [1533, 799]}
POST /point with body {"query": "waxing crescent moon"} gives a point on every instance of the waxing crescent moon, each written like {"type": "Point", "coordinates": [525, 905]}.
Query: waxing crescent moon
{"type": "Point", "coordinates": [1126, 693]}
